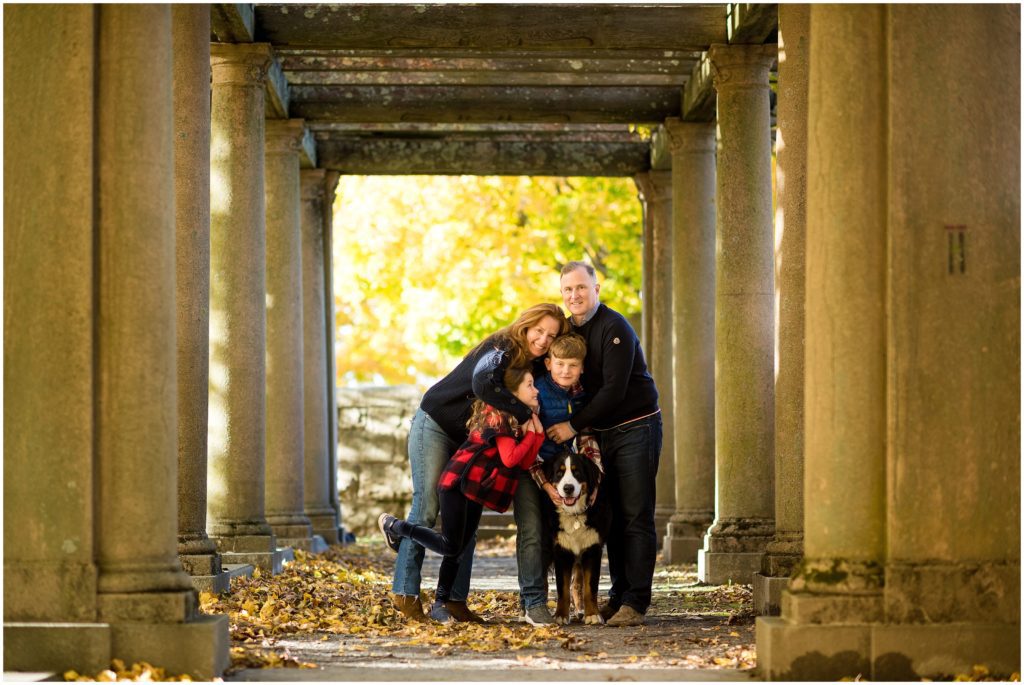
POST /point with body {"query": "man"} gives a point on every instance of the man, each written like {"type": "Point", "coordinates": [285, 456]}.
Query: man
{"type": "Point", "coordinates": [623, 411]}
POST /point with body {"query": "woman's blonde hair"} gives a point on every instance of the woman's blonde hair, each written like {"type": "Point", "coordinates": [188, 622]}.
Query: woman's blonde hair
{"type": "Point", "coordinates": [484, 415]}
{"type": "Point", "coordinates": [516, 331]}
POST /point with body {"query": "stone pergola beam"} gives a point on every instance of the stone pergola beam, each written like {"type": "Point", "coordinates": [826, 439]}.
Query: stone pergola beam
{"type": "Point", "coordinates": [307, 150]}
{"type": "Point", "coordinates": [699, 93]}
{"type": "Point", "coordinates": [565, 26]}
{"type": "Point", "coordinates": [482, 156]}
{"type": "Point", "coordinates": [277, 91]}
{"type": "Point", "coordinates": [567, 104]}
{"type": "Point", "coordinates": [232, 22]}
{"type": "Point", "coordinates": [479, 67]}
{"type": "Point", "coordinates": [751, 23]}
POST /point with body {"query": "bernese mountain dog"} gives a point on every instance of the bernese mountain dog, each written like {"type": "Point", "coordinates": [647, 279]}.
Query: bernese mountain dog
{"type": "Point", "coordinates": [579, 529]}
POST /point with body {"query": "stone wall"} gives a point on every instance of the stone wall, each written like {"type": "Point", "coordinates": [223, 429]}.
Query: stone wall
{"type": "Point", "coordinates": [373, 465]}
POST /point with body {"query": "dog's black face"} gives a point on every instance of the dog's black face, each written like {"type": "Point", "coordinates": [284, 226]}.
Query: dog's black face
{"type": "Point", "coordinates": [574, 477]}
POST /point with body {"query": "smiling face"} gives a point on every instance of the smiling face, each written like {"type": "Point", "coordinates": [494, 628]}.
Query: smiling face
{"type": "Point", "coordinates": [526, 393]}
{"type": "Point", "coordinates": [540, 336]}
{"type": "Point", "coordinates": [568, 478]}
{"type": "Point", "coordinates": [564, 372]}
{"type": "Point", "coordinates": [579, 293]}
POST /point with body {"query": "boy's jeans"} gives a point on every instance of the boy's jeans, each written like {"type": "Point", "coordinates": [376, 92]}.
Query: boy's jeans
{"type": "Point", "coordinates": [429, 450]}
{"type": "Point", "coordinates": [533, 552]}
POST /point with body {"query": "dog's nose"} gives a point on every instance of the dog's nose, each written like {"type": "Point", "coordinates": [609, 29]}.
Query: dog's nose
{"type": "Point", "coordinates": [567, 489]}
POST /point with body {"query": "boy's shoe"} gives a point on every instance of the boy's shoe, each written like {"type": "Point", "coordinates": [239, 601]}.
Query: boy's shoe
{"type": "Point", "coordinates": [537, 616]}
{"type": "Point", "coordinates": [409, 606]}
{"type": "Point", "coordinates": [608, 610]}
{"type": "Point", "coordinates": [461, 613]}
{"type": "Point", "coordinates": [384, 522]}
{"type": "Point", "coordinates": [439, 612]}
{"type": "Point", "coordinates": [626, 616]}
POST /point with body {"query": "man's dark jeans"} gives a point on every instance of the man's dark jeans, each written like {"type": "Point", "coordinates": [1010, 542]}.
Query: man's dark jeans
{"type": "Point", "coordinates": [630, 455]}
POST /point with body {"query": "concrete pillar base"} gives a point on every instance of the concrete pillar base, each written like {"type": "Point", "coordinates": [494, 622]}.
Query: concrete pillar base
{"type": "Point", "coordinates": [242, 544]}
{"type": "Point", "coordinates": [272, 562]}
{"type": "Point", "coordinates": [719, 568]}
{"type": "Point", "coordinates": [661, 519]}
{"type": "Point", "coordinates": [146, 607]}
{"type": "Point", "coordinates": [768, 594]}
{"type": "Point", "coordinates": [313, 544]}
{"type": "Point", "coordinates": [198, 647]}
{"type": "Point", "coordinates": [680, 550]}
{"type": "Point", "coordinates": [57, 647]}
{"type": "Point", "coordinates": [792, 651]}
{"type": "Point", "coordinates": [326, 526]}
{"type": "Point", "coordinates": [212, 584]}
{"type": "Point", "coordinates": [296, 536]}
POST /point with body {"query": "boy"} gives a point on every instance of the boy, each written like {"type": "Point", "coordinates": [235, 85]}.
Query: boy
{"type": "Point", "coordinates": [560, 396]}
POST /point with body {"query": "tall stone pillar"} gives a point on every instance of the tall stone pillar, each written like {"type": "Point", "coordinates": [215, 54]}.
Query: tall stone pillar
{"type": "Point", "coordinates": [647, 282]}
{"type": "Point", "coordinates": [191, 35]}
{"type": "Point", "coordinates": [912, 363]}
{"type": "Point", "coordinates": [331, 179]}
{"type": "Point", "coordinates": [744, 321]}
{"type": "Point", "coordinates": [656, 194]}
{"type": "Point", "coordinates": [786, 548]}
{"type": "Point", "coordinates": [285, 421]}
{"type": "Point", "coordinates": [143, 591]}
{"type": "Point", "coordinates": [237, 430]}
{"type": "Point", "coordinates": [321, 513]}
{"type": "Point", "coordinates": [692, 145]}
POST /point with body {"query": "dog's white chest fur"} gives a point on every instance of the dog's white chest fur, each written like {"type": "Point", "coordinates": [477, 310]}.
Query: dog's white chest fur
{"type": "Point", "coordinates": [573, 532]}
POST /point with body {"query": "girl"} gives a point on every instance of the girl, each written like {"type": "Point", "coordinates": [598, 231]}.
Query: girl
{"type": "Point", "coordinates": [482, 473]}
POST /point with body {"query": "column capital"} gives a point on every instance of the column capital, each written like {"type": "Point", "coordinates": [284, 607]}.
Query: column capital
{"type": "Point", "coordinates": [331, 179]}
{"type": "Point", "coordinates": [741, 66]}
{"type": "Point", "coordinates": [240, 64]}
{"type": "Point", "coordinates": [284, 136]}
{"type": "Point", "coordinates": [312, 183]}
{"type": "Point", "coordinates": [654, 186]}
{"type": "Point", "coordinates": [689, 136]}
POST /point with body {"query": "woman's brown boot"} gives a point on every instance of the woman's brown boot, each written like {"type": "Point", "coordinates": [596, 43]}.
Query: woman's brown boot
{"type": "Point", "coordinates": [460, 611]}
{"type": "Point", "coordinates": [410, 606]}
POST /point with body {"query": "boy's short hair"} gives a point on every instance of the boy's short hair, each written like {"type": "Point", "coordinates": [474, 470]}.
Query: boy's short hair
{"type": "Point", "coordinates": [569, 346]}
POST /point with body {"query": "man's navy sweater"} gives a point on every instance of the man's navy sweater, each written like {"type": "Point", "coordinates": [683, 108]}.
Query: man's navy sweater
{"type": "Point", "coordinates": [615, 375]}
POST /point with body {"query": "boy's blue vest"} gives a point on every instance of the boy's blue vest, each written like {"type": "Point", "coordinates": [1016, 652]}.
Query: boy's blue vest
{"type": "Point", "coordinates": [556, 405]}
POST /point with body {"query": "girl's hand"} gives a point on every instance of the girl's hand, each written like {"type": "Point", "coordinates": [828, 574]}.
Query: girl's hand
{"type": "Point", "coordinates": [553, 494]}
{"type": "Point", "coordinates": [534, 424]}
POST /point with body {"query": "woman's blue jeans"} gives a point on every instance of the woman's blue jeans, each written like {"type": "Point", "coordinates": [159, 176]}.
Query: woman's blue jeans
{"type": "Point", "coordinates": [430, 448]}
{"type": "Point", "coordinates": [533, 551]}
{"type": "Point", "coordinates": [630, 457]}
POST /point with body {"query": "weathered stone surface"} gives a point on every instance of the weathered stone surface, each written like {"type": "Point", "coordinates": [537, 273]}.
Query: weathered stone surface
{"type": "Point", "coordinates": [666, 27]}
{"type": "Point", "coordinates": [199, 648]}
{"type": "Point", "coordinates": [49, 647]}
{"type": "Point", "coordinates": [373, 461]}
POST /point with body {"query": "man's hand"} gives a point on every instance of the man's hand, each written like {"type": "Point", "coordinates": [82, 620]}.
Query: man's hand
{"type": "Point", "coordinates": [561, 432]}
{"type": "Point", "coordinates": [553, 494]}
{"type": "Point", "coordinates": [592, 498]}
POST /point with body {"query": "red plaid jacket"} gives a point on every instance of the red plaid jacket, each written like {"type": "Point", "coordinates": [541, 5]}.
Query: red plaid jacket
{"type": "Point", "coordinates": [482, 473]}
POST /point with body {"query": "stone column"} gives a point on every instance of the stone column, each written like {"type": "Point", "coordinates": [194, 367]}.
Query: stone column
{"type": "Point", "coordinates": [656, 194]}
{"type": "Point", "coordinates": [692, 145]}
{"type": "Point", "coordinates": [317, 451]}
{"type": "Point", "coordinates": [237, 432]}
{"type": "Point", "coordinates": [143, 591]}
{"type": "Point", "coordinates": [331, 179]}
{"type": "Point", "coordinates": [840, 580]}
{"type": "Point", "coordinates": [284, 336]}
{"type": "Point", "coordinates": [191, 35]}
{"type": "Point", "coordinates": [786, 548]}
{"type": "Point", "coordinates": [49, 482]}
{"type": "Point", "coordinates": [744, 321]}
{"type": "Point", "coordinates": [647, 283]}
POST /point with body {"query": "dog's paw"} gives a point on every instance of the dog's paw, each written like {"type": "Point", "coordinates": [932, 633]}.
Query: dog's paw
{"type": "Point", "coordinates": [593, 619]}
{"type": "Point", "coordinates": [563, 620]}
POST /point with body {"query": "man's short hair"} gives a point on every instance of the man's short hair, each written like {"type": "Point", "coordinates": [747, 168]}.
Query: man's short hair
{"type": "Point", "coordinates": [572, 266]}
{"type": "Point", "coordinates": [569, 346]}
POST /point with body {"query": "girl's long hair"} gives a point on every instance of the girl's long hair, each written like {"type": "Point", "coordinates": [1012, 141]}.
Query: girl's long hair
{"type": "Point", "coordinates": [512, 338]}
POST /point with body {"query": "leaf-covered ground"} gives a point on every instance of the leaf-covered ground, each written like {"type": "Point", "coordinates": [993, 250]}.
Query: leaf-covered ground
{"type": "Point", "coordinates": [334, 609]}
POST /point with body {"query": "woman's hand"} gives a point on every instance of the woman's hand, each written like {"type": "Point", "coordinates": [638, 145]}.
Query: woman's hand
{"type": "Point", "coordinates": [549, 489]}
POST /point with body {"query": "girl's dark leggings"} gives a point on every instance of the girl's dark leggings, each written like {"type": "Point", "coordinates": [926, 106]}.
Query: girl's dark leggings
{"type": "Point", "coordinates": [460, 517]}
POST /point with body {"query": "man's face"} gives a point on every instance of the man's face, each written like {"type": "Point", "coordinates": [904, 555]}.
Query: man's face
{"type": "Point", "coordinates": [564, 372]}
{"type": "Point", "coordinates": [579, 292]}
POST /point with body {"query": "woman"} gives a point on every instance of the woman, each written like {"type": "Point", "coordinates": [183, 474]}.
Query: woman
{"type": "Point", "coordinates": [439, 427]}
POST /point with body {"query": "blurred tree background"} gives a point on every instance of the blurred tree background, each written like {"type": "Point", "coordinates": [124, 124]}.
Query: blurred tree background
{"type": "Point", "coordinates": [427, 266]}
